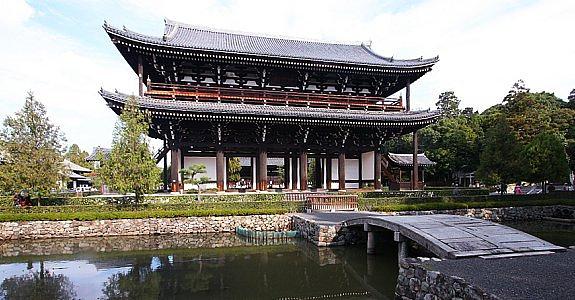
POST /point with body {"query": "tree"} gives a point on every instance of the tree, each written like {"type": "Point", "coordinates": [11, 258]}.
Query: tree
{"type": "Point", "coordinates": [234, 168]}
{"type": "Point", "coordinates": [453, 143]}
{"type": "Point", "coordinates": [501, 159]}
{"type": "Point", "coordinates": [32, 150]}
{"type": "Point", "coordinates": [131, 167]}
{"type": "Point", "coordinates": [77, 156]}
{"type": "Point", "coordinates": [189, 176]}
{"type": "Point", "coordinates": [41, 284]}
{"type": "Point", "coordinates": [546, 159]}
{"type": "Point", "coordinates": [448, 105]}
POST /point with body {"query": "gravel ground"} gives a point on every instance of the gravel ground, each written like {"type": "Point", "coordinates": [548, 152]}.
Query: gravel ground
{"type": "Point", "coordinates": [530, 277]}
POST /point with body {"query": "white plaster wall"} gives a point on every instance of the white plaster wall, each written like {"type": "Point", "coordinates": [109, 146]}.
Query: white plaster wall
{"type": "Point", "coordinates": [209, 162]}
{"type": "Point", "coordinates": [351, 173]}
{"type": "Point", "coordinates": [367, 165]}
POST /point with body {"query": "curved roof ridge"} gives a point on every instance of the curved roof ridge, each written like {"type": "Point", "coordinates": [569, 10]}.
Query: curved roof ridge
{"type": "Point", "coordinates": [177, 24]}
{"type": "Point", "coordinates": [392, 59]}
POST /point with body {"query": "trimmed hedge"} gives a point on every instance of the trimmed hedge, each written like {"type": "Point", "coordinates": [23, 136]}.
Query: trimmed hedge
{"type": "Point", "coordinates": [465, 205]}
{"type": "Point", "coordinates": [91, 216]}
{"type": "Point", "coordinates": [292, 206]}
{"type": "Point", "coordinates": [425, 193]}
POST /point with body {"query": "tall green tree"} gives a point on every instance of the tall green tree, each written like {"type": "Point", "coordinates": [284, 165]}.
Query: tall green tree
{"type": "Point", "coordinates": [31, 147]}
{"type": "Point", "coordinates": [546, 159]}
{"type": "Point", "coordinates": [77, 156]}
{"type": "Point", "coordinates": [131, 167]}
{"type": "Point", "coordinates": [501, 160]}
{"type": "Point", "coordinates": [448, 104]}
{"type": "Point", "coordinates": [453, 143]}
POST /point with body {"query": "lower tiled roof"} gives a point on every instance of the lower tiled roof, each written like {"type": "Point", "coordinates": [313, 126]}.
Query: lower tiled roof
{"type": "Point", "coordinates": [271, 110]}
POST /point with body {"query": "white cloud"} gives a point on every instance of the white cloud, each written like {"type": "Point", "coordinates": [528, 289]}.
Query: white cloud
{"type": "Point", "coordinates": [65, 76]}
{"type": "Point", "coordinates": [484, 46]}
{"type": "Point", "coordinates": [15, 12]}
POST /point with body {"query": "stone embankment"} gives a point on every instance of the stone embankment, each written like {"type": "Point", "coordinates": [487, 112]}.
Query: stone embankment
{"type": "Point", "coordinates": [416, 282]}
{"type": "Point", "coordinates": [152, 226]}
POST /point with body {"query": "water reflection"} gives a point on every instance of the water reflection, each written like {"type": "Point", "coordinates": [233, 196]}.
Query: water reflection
{"type": "Point", "coordinates": [40, 284]}
{"type": "Point", "coordinates": [292, 270]}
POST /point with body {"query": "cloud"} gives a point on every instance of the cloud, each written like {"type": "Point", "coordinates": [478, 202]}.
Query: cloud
{"type": "Point", "coordinates": [484, 46]}
{"type": "Point", "coordinates": [64, 75]}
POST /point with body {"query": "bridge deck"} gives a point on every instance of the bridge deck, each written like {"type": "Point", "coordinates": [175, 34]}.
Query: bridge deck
{"type": "Point", "coordinates": [447, 236]}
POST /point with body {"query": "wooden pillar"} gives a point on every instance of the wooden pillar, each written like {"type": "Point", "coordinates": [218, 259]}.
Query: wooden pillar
{"type": "Point", "coordinates": [220, 170]}
{"type": "Point", "coordinates": [360, 171]}
{"type": "Point", "coordinates": [140, 76]}
{"type": "Point", "coordinates": [407, 96]}
{"type": "Point", "coordinates": [318, 172]}
{"type": "Point", "coordinates": [262, 169]}
{"type": "Point", "coordinates": [377, 170]}
{"type": "Point", "coordinates": [303, 170]}
{"type": "Point", "coordinates": [294, 173]}
{"type": "Point", "coordinates": [286, 172]}
{"type": "Point", "coordinates": [165, 173]}
{"type": "Point", "coordinates": [328, 173]}
{"type": "Point", "coordinates": [415, 177]}
{"type": "Point", "coordinates": [254, 173]}
{"type": "Point", "coordinates": [175, 169]}
{"type": "Point", "coordinates": [341, 171]}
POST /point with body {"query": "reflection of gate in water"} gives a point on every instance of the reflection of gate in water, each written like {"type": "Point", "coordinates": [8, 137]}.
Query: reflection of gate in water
{"type": "Point", "coordinates": [256, 237]}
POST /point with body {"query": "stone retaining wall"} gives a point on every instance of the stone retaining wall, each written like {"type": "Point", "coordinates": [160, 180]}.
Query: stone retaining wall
{"type": "Point", "coordinates": [326, 235]}
{"type": "Point", "coordinates": [414, 281]}
{"type": "Point", "coordinates": [124, 227]}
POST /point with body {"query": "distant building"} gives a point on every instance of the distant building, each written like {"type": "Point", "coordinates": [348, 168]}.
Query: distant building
{"type": "Point", "coordinates": [398, 170]}
{"type": "Point", "coordinates": [76, 175]}
{"type": "Point", "coordinates": [97, 155]}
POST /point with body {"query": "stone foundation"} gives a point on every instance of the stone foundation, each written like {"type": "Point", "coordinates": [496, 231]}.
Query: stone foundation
{"type": "Point", "coordinates": [416, 282]}
{"type": "Point", "coordinates": [125, 227]}
{"type": "Point", "coordinates": [323, 235]}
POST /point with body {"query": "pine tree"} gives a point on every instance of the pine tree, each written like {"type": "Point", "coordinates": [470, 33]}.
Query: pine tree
{"type": "Point", "coordinates": [31, 148]}
{"type": "Point", "coordinates": [131, 167]}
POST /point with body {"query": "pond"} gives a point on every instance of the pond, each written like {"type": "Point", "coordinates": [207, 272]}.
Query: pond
{"type": "Point", "coordinates": [208, 266]}
{"type": "Point", "coordinates": [202, 266]}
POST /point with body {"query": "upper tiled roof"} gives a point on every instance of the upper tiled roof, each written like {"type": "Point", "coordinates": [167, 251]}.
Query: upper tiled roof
{"type": "Point", "coordinates": [95, 156]}
{"type": "Point", "coordinates": [407, 159]}
{"type": "Point", "coordinates": [271, 110]}
{"type": "Point", "coordinates": [74, 167]}
{"type": "Point", "coordinates": [184, 36]}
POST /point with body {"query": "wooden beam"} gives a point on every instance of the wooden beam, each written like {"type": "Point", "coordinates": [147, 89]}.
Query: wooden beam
{"type": "Point", "coordinates": [140, 76]}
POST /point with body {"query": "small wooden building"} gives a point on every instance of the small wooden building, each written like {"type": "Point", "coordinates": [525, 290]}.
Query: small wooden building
{"type": "Point", "coordinates": [398, 170]}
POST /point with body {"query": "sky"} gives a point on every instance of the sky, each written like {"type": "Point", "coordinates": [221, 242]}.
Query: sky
{"type": "Point", "coordinates": [58, 49]}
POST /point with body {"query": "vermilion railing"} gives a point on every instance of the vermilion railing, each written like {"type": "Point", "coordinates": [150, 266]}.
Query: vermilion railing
{"type": "Point", "coordinates": [267, 97]}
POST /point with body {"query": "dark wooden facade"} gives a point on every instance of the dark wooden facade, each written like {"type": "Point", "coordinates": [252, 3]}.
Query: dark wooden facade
{"type": "Point", "coordinates": [228, 94]}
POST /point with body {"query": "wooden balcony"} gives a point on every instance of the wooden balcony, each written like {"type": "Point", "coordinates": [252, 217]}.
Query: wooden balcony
{"type": "Point", "coordinates": [269, 97]}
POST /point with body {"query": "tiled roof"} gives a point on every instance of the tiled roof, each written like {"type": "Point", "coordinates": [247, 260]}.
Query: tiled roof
{"type": "Point", "coordinates": [94, 156]}
{"type": "Point", "coordinates": [74, 167]}
{"type": "Point", "coordinates": [271, 111]}
{"type": "Point", "coordinates": [184, 36]}
{"type": "Point", "coordinates": [407, 159]}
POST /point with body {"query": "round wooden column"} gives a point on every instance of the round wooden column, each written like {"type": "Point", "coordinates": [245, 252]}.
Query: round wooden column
{"type": "Point", "coordinates": [175, 169]}
{"type": "Point", "coordinates": [377, 170]}
{"type": "Point", "coordinates": [303, 171]}
{"type": "Point", "coordinates": [415, 176]}
{"type": "Point", "coordinates": [262, 169]}
{"type": "Point", "coordinates": [328, 173]}
{"type": "Point", "coordinates": [294, 173]}
{"type": "Point", "coordinates": [220, 170]}
{"type": "Point", "coordinates": [341, 171]}
{"type": "Point", "coordinates": [287, 177]}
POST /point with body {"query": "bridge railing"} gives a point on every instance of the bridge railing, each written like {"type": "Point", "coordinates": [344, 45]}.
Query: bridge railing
{"type": "Point", "coordinates": [331, 202]}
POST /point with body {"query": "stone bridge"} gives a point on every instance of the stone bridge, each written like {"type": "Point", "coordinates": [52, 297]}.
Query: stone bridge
{"type": "Point", "coordinates": [447, 236]}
